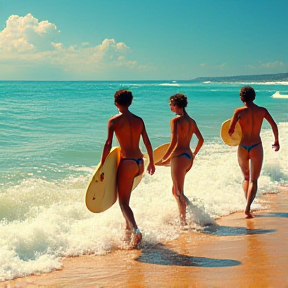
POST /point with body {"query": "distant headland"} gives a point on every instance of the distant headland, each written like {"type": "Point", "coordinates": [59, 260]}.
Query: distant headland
{"type": "Point", "coordinates": [247, 78]}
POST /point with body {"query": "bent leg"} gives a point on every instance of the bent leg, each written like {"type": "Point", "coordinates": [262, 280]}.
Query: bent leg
{"type": "Point", "coordinates": [179, 166]}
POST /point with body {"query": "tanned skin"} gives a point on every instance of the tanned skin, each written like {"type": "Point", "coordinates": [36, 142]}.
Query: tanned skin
{"type": "Point", "coordinates": [182, 129]}
{"type": "Point", "coordinates": [128, 129]}
{"type": "Point", "coordinates": [250, 118]}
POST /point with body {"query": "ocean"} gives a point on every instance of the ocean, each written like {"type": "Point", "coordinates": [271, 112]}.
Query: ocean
{"type": "Point", "coordinates": [52, 135]}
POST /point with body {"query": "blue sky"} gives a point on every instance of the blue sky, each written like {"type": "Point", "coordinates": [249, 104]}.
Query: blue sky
{"type": "Point", "coordinates": [141, 40]}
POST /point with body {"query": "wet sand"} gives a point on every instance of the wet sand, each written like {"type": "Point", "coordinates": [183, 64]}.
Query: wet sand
{"type": "Point", "coordinates": [241, 253]}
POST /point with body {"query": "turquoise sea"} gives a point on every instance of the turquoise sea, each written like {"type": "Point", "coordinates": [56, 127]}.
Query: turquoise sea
{"type": "Point", "coordinates": [51, 139]}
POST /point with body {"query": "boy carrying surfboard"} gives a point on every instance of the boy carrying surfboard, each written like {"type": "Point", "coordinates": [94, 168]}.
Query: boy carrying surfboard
{"type": "Point", "coordinates": [250, 150]}
{"type": "Point", "coordinates": [128, 129]}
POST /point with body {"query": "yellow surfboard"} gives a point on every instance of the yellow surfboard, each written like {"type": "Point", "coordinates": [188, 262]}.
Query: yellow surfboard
{"type": "Point", "coordinates": [159, 152]}
{"type": "Point", "coordinates": [101, 192]}
{"type": "Point", "coordinates": [235, 138]}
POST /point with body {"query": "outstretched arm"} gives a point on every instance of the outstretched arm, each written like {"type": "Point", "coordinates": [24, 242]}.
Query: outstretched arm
{"type": "Point", "coordinates": [274, 127]}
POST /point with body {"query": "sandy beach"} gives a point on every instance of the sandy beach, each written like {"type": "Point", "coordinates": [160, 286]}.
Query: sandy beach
{"type": "Point", "coordinates": [241, 253]}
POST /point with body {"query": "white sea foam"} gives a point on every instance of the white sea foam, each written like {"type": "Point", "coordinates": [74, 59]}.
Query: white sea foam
{"type": "Point", "coordinates": [275, 83]}
{"type": "Point", "coordinates": [44, 221]}
{"type": "Point", "coordinates": [278, 95]}
{"type": "Point", "coordinates": [169, 84]}
{"type": "Point", "coordinates": [49, 151]}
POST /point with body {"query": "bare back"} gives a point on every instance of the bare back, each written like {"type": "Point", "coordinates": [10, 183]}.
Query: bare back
{"type": "Point", "coordinates": [250, 150]}
{"type": "Point", "coordinates": [250, 120]}
{"type": "Point", "coordinates": [184, 127]}
{"type": "Point", "coordinates": [128, 129]}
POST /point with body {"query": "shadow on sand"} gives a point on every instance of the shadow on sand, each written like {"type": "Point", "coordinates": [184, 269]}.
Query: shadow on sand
{"type": "Point", "coordinates": [236, 231]}
{"type": "Point", "coordinates": [276, 214]}
{"type": "Point", "coordinates": [163, 256]}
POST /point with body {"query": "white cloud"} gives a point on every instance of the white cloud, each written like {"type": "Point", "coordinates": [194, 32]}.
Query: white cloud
{"type": "Point", "coordinates": [222, 66]}
{"type": "Point", "coordinates": [26, 41]}
{"type": "Point", "coordinates": [271, 64]}
{"type": "Point", "coordinates": [268, 66]}
{"type": "Point", "coordinates": [26, 34]}
{"type": "Point", "coordinates": [57, 45]}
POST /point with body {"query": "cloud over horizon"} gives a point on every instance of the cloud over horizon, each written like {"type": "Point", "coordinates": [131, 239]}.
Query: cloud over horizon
{"type": "Point", "coordinates": [98, 45]}
{"type": "Point", "coordinates": [27, 42]}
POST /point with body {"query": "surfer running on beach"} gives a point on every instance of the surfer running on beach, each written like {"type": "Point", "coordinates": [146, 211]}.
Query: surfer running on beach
{"type": "Point", "coordinates": [179, 154]}
{"type": "Point", "coordinates": [250, 150]}
{"type": "Point", "coordinates": [128, 128]}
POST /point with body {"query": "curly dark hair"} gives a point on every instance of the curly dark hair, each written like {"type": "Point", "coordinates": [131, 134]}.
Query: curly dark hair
{"type": "Point", "coordinates": [123, 97]}
{"type": "Point", "coordinates": [179, 100]}
{"type": "Point", "coordinates": [247, 93]}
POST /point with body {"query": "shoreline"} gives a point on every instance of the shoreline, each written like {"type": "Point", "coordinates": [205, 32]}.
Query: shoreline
{"type": "Point", "coordinates": [241, 253]}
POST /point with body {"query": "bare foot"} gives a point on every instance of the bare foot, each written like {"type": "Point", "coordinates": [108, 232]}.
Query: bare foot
{"type": "Point", "coordinates": [184, 227]}
{"type": "Point", "coordinates": [249, 215]}
{"type": "Point", "coordinates": [183, 221]}
{"type": "Point", "coordinates": [127, 235]}
{"type": "Point", "coordinates": [136, 239]}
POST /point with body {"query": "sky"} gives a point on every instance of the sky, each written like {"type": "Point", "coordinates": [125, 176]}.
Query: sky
{"type": "Point", "coordinates": [141, 39]}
